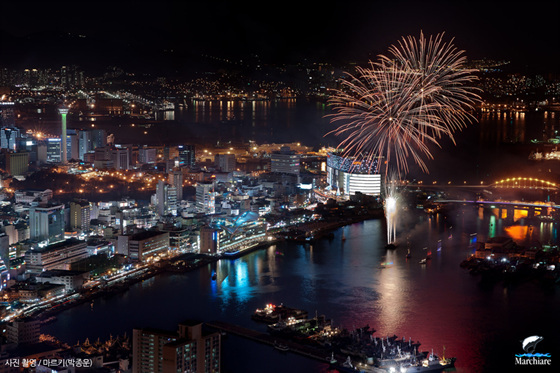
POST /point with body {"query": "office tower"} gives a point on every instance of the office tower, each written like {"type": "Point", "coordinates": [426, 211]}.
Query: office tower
{"type": "Point", "coordinates": [8, 138]}
{"type": "Point", "coordinates": [176, 180]}
{"type": "Point", "coordinates": [46, 223]}
{"type": "Point", "coordinates": [7, 117]}
{"type": "Point", "coordinates": [166, 196]}
{"type": "Point", "coordinates": [54, 150]}
{"type": "Point", "coordinates": [190, 349]}
{"type": "Point", "coordinates": [225, 162]}
{"type": "Point", "coordinates": [80, 212]}
{"type": "Point", "coordinates": [285, 161]}
{"type": "Point", "coordinates": [63, 112]}
{"type": "Point", "coordinates": [72, 140]}
{"type": "Point", "coordinates": [205, 199]}
{"type": "Point", "coordinates": [186, 155]}
{"type": "Point", "coordinates": [120, 158]}
{"type": "Point", "coordinates": [147, 155]}
{"type": "Point", "coordinates": [17, 163]}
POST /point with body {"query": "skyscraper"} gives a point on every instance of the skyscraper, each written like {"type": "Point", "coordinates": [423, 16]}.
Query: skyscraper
{"type": "Point", "coordinates": [176, 180]}
{"type": "Point", "coordinates": [205, 199]}
{"type": "Point", "coordinates": [190, 349]}
{"type": "Point", "coordinates": [63, 148]}
{"type": "Point", "coordinates": [186, 155]}
{"type": "Point", "coordinates": [166, 196]}
{"type": "Point", "coordinates": [46, 223]}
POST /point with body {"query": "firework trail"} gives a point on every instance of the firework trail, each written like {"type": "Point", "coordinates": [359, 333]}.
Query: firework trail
{"type": "Point", "coordinates": [399, 106]}
{"type": "Point", "coordinates": [390, 206]}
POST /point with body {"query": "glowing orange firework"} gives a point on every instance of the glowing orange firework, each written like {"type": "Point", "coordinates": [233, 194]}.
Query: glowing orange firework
{"type": "Point", "coordinates": [397, 107]}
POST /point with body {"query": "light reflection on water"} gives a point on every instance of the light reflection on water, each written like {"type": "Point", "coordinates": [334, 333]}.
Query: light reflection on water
{"type": "Point", "coordinates": [438, 303]}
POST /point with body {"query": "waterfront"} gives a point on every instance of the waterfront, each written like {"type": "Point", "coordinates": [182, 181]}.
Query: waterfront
{"type": "Point", "coordinates": [438, 304]}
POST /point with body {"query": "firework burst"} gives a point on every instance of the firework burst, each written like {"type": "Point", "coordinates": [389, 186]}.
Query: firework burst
{"type": "Point", "coordinates": [399, 106]}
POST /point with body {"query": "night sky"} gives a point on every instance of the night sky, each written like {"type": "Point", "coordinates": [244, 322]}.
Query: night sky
{"type": "Point", "coordinates": [173, 33]}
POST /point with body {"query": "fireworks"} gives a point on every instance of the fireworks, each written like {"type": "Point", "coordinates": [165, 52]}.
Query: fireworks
{"type": "Point", "coordinates": [399, 106]}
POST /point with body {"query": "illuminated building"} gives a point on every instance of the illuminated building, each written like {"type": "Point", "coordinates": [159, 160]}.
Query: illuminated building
{"type": "Point", "coordinates": [166, 199]}
{"type": "Point", "coordinates": [176, 180]}
{"type": "Point", "coordinates": [120, 158]}
{"type": "Point", "coordinates": [7, 117]}
{"type": "Point", "coordinates": [190, 349]}
{"type": "Point", "coordinates": [80, 212]}
{"type": "Point", "coordinates": [53, 150]}
{"type": "Point", "coordinates": [8, 137]}
{"type": "Point", "coordinates": [186, 155]}
{"type": "Point", "coordinates": [29, 196]}
{"type": "Point", "coordinates": [46, 223]}
{"type": "Point", "coordinates": [285, 161]}
{"type": "Point", "coordinates": [147, 244]}
{"type": "Point", "coordinates": [17, 163]}
{"type": "Point", "coordinates": [205, 198]}
{"type": "Point", "coordinates": [72, 280]}
{"type": "Point", "coordinates": [349, 175]}
{"type": "Point", "coordinates": [60, 255]}
{"type": "Point", "coordinates": [209, 240]}
{"type": "Point", "coordinates": [63, 149]}
{"type": "Point", "coordinates": [23, 331]}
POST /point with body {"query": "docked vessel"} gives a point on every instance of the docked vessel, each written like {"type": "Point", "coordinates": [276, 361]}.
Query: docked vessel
{"type": "Point", "coordinates": [271, 313]}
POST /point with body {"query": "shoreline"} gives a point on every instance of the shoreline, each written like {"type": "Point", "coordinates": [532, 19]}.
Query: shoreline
{"type": "Point", "coordinates": [196, 262]}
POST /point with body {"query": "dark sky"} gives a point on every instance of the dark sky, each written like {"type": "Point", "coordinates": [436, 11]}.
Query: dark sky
{"type": "Point", "coordinates": [527, 34]}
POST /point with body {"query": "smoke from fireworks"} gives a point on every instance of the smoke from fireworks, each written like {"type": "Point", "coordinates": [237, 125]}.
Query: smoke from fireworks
{"type": "Point", "coordinates": [399, 106]}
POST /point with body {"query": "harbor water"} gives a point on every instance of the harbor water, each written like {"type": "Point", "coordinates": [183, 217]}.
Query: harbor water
{"type": "Point", "coordinates": [479, 322]}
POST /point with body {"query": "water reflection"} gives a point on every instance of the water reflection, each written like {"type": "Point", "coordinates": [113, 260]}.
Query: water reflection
{"type": "Point", "coordinates": [437, 303]}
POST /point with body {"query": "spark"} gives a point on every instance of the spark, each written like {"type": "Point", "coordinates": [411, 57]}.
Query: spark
{"type": "Point", "coordinates": [399, 106]}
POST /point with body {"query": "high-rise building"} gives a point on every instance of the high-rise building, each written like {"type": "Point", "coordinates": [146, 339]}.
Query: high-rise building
{"type": "Point", "coordinates": [72, 144]}
{"type": "Point", "coordinates": [190, 349]}
{"type": "Point", "coordinates": [53, 150]}
{"type": "Point", "coordinates": [205, 198]}
{"type": "Point", "coordinates": [186, 155]}
{"type": "Point", "coordinates": [17, 163]}
{"type": "Point", "coordinates": [166, 197]}
{"type": "Point", "coordinates": [80, 215]}
{"type": "Point", "coordinates": [7, 117]}
{"type": "Point", "coordinates": [120, 158]}
{"type": "Point", "coordinates": [64, 149]}
{"type": "Point", "coordinates": [147, 155]}
{"type": "Point", "coordinates": [285, 161]}
{"type": "Point", "coordinates": [8, 137]}
{"type": "Point", "coordinates": [46, 223]}
{"type": "Point", "coordinates": [176, 180]}
{"type": "Point", "coordinates": [225, 162]}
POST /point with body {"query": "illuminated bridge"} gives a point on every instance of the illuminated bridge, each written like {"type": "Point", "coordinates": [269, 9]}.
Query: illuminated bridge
{"type": "Point", "coordinates": [525, 183]}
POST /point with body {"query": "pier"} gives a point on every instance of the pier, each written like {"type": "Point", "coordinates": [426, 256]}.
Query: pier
{"type": "Point", "coordinates": [316, 353]}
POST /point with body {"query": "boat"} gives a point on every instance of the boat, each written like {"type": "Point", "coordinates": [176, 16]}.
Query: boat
{"type": "Point", "coordinates": [281, 347]}
{"type": "Point", "coordinates": [343, 237]}
{"type": "Point", "coordinates": [214, 276]}
{"type": "Point", "coordinates": [408, 254]}
{"type": "Point", "coordinates": [423, 261]}
{"type": "Point", "coordinates": [271, 313]}
{"type": "Point", "coordinates": [431, 364]}
{"type": "Point", "coordinates": [331, 359]}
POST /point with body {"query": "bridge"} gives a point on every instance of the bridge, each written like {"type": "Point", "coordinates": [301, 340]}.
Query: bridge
{"type": "Point", "coordinates": [505, 209]}
{"type": "Point", "coordinates": [508, 183]}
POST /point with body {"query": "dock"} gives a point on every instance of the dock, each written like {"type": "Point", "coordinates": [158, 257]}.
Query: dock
{"type": "Point", "coordinates": [321, 354]}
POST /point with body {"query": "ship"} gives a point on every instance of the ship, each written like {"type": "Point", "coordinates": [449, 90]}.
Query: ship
{"type": "Point", "coordinates": [271, 313]}
{"type": "Point", "coordinates": [431, 364]}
